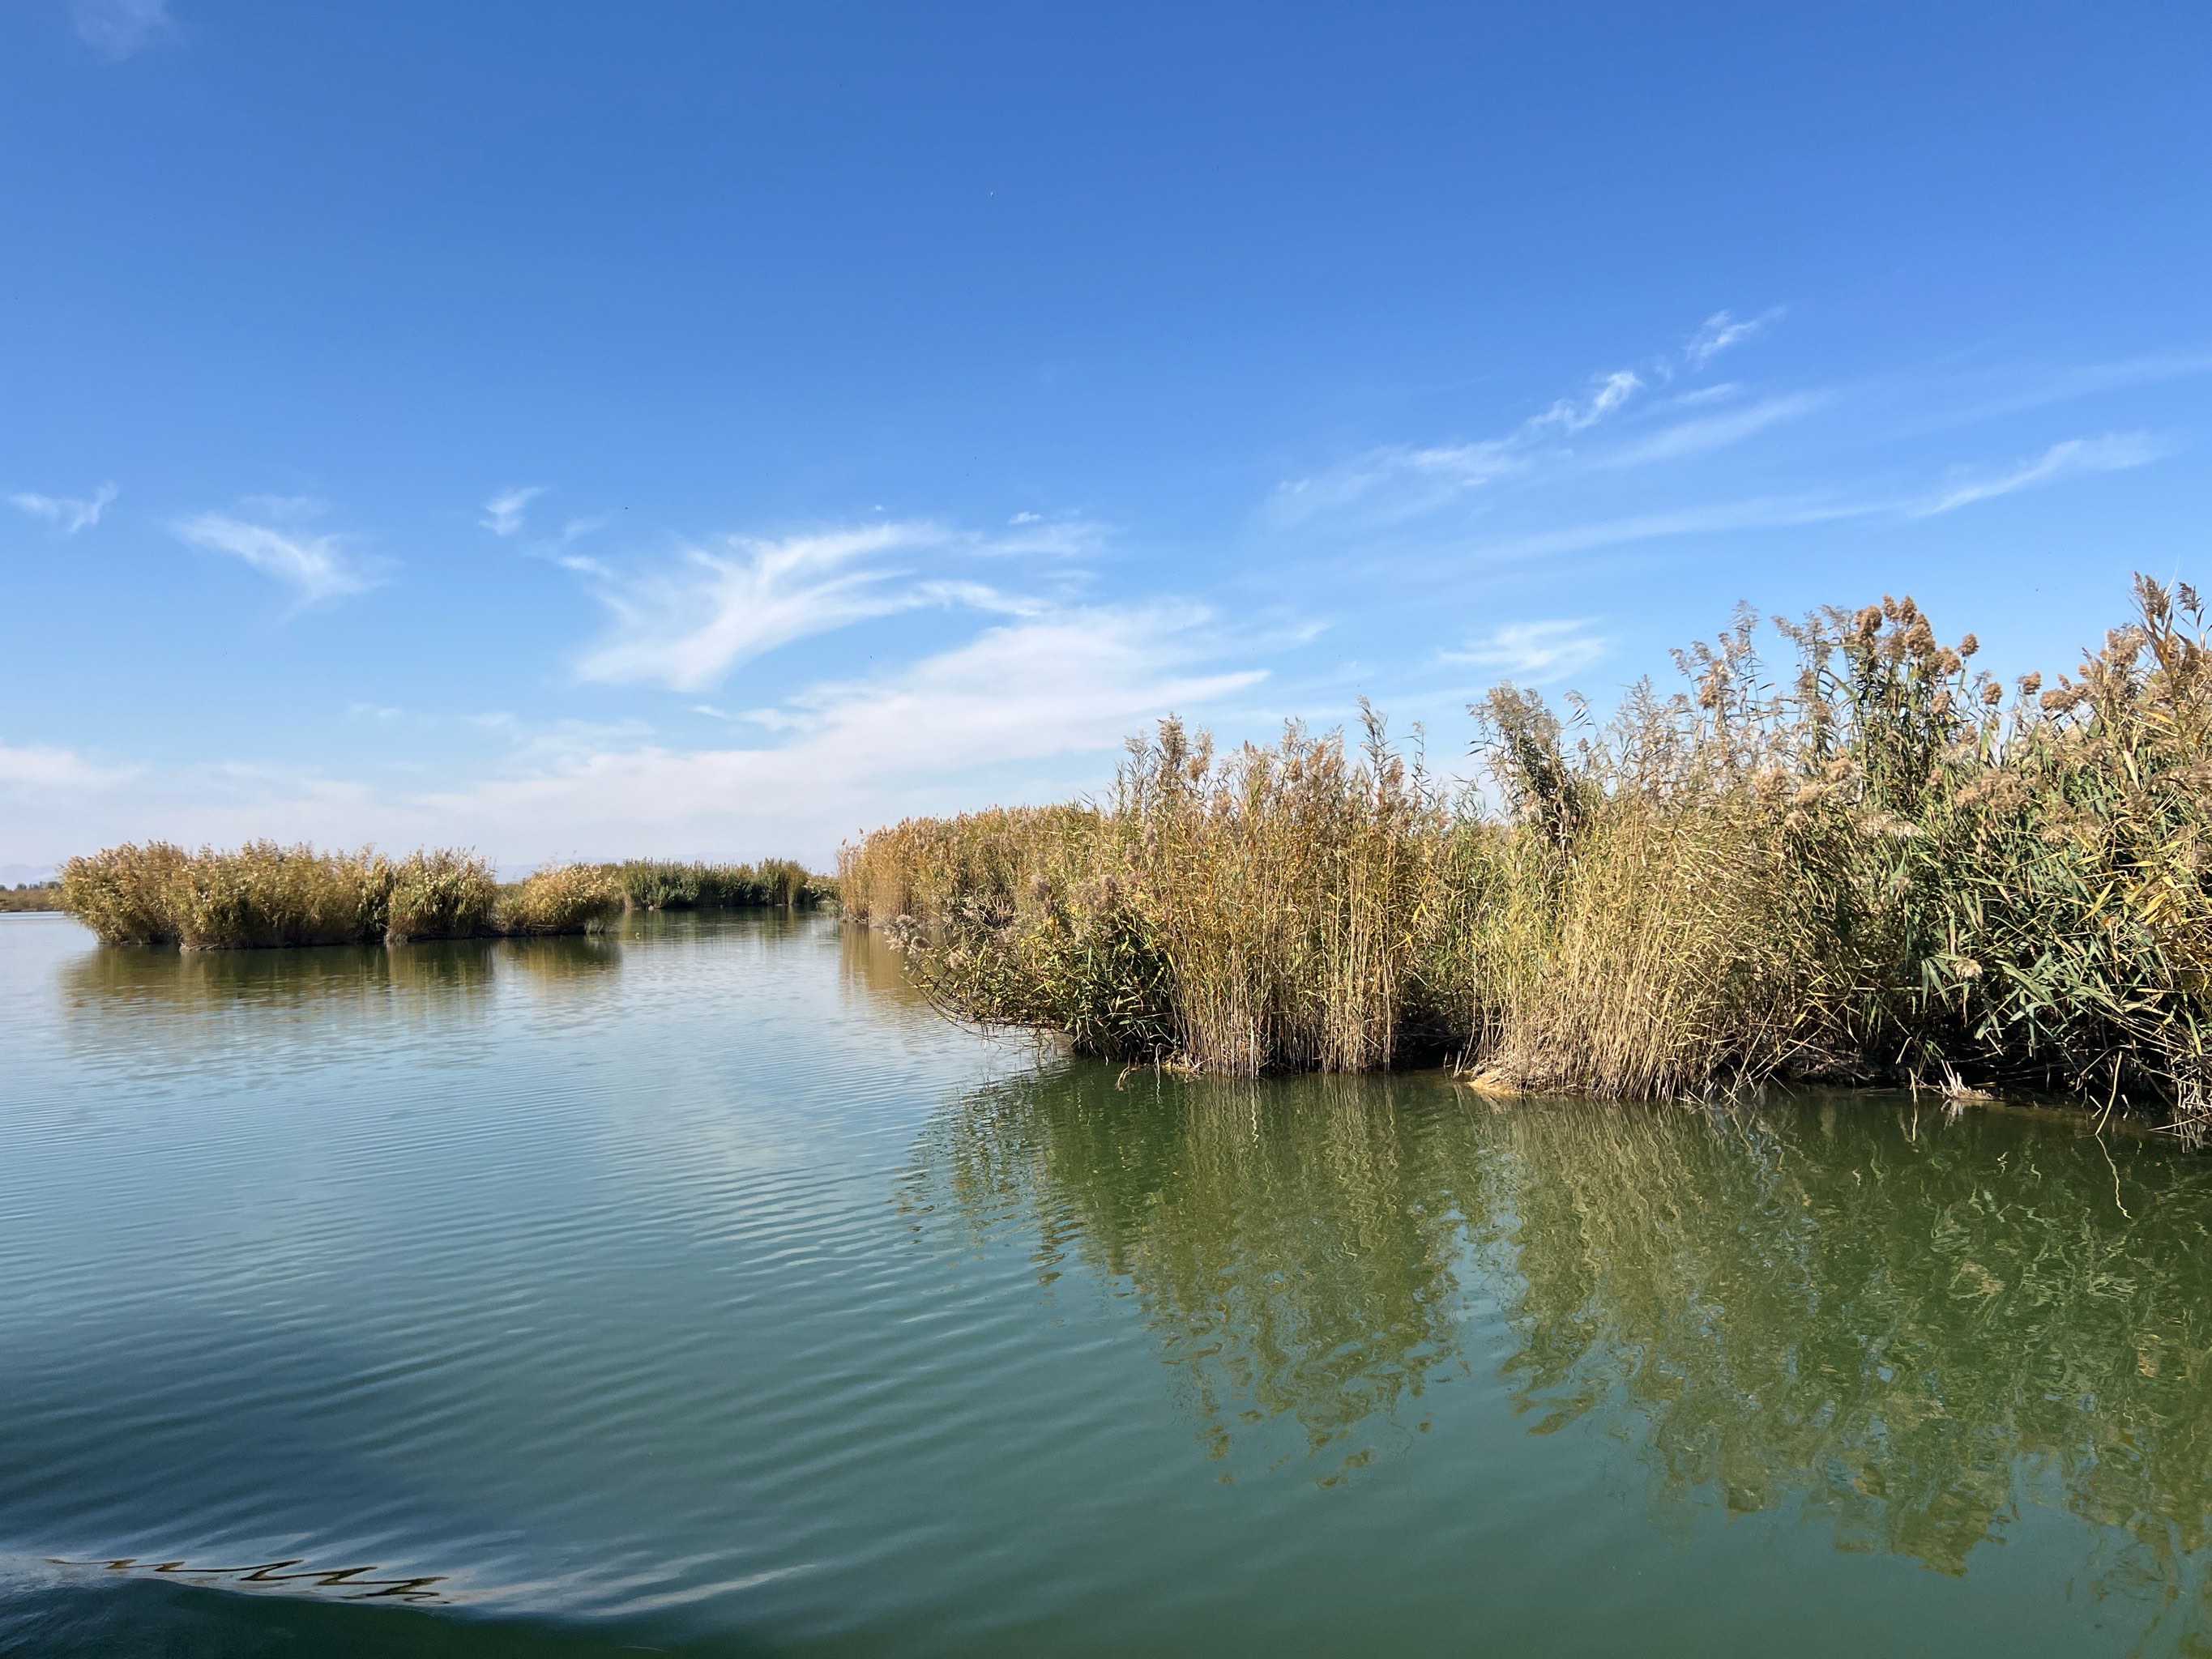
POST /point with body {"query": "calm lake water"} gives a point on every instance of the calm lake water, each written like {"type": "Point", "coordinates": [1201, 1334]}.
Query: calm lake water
{"type": "Point", "coordinates": [697, 1290]}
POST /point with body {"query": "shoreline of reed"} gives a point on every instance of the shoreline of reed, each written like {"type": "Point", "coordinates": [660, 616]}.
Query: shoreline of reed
{"type": "Point", "coordinates": [1875, 867]}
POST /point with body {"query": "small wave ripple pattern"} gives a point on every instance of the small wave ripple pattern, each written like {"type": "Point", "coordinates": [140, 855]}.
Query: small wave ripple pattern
{"type": "Point", "coordinates": [698, 1289]}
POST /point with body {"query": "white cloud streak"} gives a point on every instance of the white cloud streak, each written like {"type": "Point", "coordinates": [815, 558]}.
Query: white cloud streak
{"type": "Point", "coordinates": [689, 627]}
{"type": "Point", "coordinates": [1399, 481]}
{"type": "Point", "coordinates": [503, 512]}
{"type": "Point", "coordinates": [2113, 452]}
{"type": "Point", "coordinates": [1709, 432]}
{"type": "Point", "coordinates": [68, 513]}
{"type": "Point", "coordinates": [1722, 330]}
{"type": "Point", "coordinates": [1420, 479]}
{"type": "Point", "coordinates": [119, 28]}
{"type": "Point", "coordinates": [1536, 652]}
{"type": "Point", "coordinates": [1569, 415]}
{"type": "Point", "coordinates": [1756, 513]}
{"type": "Point", "coordinates": [316, 568]}
{"type": "Point", "coordinates": [1417, 479]}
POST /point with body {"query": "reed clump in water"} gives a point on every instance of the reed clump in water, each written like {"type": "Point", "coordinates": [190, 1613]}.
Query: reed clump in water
{"type": "Point", "coordinates": [1880, 865]}
{"type": "Point", "coordinates": [264, 895]}
{"type": "Point", "coordinates": [1259, 910]}
{"type": "Point", "coordinates": [563, 898]}
{"type": "Point", "coordinates": [659, 885]}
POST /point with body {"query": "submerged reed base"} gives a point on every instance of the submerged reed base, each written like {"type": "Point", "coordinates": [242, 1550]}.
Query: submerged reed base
{"type": "Point", "coordinates": [1887, 868]}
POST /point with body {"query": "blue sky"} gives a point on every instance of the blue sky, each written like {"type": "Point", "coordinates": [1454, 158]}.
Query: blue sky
{"type": "Point", "coordinates": [710, 431]}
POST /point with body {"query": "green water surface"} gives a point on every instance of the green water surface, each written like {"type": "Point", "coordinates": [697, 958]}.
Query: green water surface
{"type": "Point", "coordinates": [696, 1290]}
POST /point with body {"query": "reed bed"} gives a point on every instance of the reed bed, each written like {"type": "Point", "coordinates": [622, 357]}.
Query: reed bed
{"type": "Point", "coordinates": [264, 895]}
{"type": "Point", "coordinates": [30, 896]}
{"type": "Point", "coordinates": [1875, 865]}
{"type": "Point", "coordinates": [659, 884]}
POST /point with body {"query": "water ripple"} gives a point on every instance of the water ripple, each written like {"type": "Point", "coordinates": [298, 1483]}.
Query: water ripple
{"type": "Point", "coordinates": [698, 1285]}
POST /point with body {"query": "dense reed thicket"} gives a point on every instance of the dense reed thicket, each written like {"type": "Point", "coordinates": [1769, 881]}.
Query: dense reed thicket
{"type": "Point", "coordinates": [1882, 866]}
{"type": "Point", "coordinates": [264, 894]}
{"type": "Point", "coordinates": [657, 885]}
{"type": "Point", "coordinates": [30, 896]}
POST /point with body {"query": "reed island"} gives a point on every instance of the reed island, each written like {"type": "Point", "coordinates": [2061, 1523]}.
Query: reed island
{"type": "Point", "coordinates": [264, 894]}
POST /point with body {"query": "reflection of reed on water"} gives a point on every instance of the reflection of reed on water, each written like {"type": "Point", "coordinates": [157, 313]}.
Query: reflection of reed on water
{"type": "Point", "coordinates": [1296, 1246]}
{"type": "Point", "coordinates": [1908, 1326]}
{"type": "Point", "coordinates": [554, 958]}
{"type": "Point", "coordinates": [329, 973]}
{"type": "Point", "coordinates": [445, 970]}
{"type": "Point", "coordinates": [1906, 1329]}
{"type": "Point", "coordinates": [872, 972]}
{"type": "Point", "coordinates": [146, 1007]}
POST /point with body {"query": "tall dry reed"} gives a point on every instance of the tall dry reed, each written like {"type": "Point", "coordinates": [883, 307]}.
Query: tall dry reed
{"type": "Point", "coordinates": [561, 898]}
{"type": "Point", "coordinates": [1237, 913]}
{"type": "Point", "coordinates": [1878, 865]}
{"type": "Point", "coordinates": [266, 895]}
{"type": "Point", "coordinates": [662, 884]}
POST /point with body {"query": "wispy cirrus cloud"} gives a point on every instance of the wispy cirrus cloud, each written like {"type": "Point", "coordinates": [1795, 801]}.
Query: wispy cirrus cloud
{"type": "Point", "coordinates": [503, 513]}
{"type": "Point", "coordinates": [317, 568]}
{"type": "Point", "coordinates": [1408, 479]}
{"type": "Point", "coordinates": [1536, 652]}
{"type": "Point", "coordinates": [1416, 478]}
{"type": "Point", "coordinates": [504, 516]}
{"type": "Point", "coordinates": [2115, 452]}
{"type": "Point", "coordinates": [688, 626]}
{"type": "Point", "coordinates": [119, 28]}
{"type": "Point", "coordinates": [1751, 512]}
{"type": "Point", "coordinates": [1399, 481]}
{"type": "Point", "coordinates": [1614, 467]}
{"type": "Point", "coordinates": [1708, 432]}
{"type": "Point", "coordinates": [1722, 330]}
{"type": "Point", "coordinates": [67, 513]}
